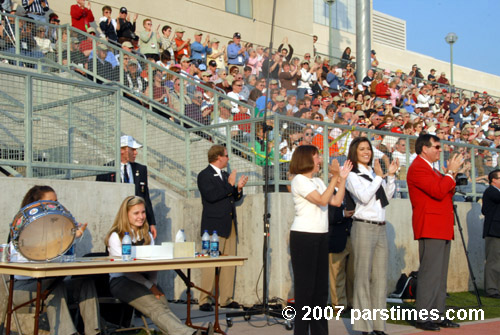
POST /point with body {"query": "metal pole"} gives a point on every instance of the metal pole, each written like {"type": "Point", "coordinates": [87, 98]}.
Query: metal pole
{"type": "Point", "coordinates": [363, 37]}
{"type": "Point", "coordinates": [330, 32]}
{"type": "Point", "coordinates": [451, 63]}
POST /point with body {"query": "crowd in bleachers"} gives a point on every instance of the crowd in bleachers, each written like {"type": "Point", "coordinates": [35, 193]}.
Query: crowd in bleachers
{"type": "Point", "coordinates": [307, 87]}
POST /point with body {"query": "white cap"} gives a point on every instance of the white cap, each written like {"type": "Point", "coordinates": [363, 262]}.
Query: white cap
{"type": "Point", "coordinates": [129, 141]}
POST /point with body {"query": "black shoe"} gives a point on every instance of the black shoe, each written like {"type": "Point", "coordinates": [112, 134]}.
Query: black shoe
{"type": "Point", "coordinates": [448, 324]}
{"type": "Point", "coordinates": [206, 308]}
{"type": "Point", "coordinates": [233, 305]}
{"type": "Point", "coordinates": [428, 325]}
{"type": "Point", "coordinates": [379, 332]}
{"type": "Point", "coordinates": [494, 296]}
{"type": "Point", "coordinates": [367, 333]}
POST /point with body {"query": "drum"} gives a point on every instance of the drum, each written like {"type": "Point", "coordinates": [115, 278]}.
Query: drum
{"type": "Point", "coordinates": [43, 230]}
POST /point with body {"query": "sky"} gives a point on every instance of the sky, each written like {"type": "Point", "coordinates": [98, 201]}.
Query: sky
{"type": "Point", "coordinates": [477, 24]}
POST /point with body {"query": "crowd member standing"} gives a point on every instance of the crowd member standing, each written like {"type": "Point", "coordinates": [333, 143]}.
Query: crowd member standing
{"type": "Point", "coordinates": [370, 193]}
{"type": "Point", "coordinates": [149, 41]}
{"type": "Point", "coordinates": [491, 234]}
{"type": "Point", "coordinates": [183, 47]}
{"type": "Point", "coordinates": [236, 53]}
{"type": "Point", "coordinates": [108, 25]}
{"type": "Point", "coordinates": [309, 232]}
{"type": "Point", "coordinates": [36, 9]}
{"type": "Point", "coordinates": [431, 196]}
{"type": "Point", "coordinates": [81, 15]}
{"type": "Point", "coordinates": [219, 191]}
{"type": "Point", "coordinates": [124, 28]}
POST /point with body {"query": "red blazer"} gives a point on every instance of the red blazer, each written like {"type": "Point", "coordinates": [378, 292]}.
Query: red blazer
{"type": "Point", "coordinates": [431, 201]}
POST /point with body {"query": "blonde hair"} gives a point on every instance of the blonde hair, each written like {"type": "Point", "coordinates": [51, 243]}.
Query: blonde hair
{"type": "Point", "coordinates": [121, 225]}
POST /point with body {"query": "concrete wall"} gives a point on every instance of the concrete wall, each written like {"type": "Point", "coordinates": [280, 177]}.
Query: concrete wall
{"type": "Point", "coordinates": [97, 203]}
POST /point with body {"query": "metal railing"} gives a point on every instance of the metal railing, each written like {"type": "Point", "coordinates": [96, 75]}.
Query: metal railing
{"type": "Point", "coordinates": [55, 127]}
{"type": "Point", "coordinates": [174, 145]}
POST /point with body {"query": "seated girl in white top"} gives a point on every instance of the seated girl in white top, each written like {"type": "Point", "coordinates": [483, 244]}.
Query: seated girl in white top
{"type": "Point", "coordinates": [140, 290]}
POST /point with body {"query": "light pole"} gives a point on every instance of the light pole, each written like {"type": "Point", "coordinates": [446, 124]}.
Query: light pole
{"type": "Point", "coordinates": [451, 38]}
{"type": "Point", "coordinates": [330, 25]}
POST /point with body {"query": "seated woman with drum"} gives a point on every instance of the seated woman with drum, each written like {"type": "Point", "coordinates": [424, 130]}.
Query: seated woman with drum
{"type": "Point", "coordinates": [140, 289]}
{"type": "Point", "coordinates": [34, 238]}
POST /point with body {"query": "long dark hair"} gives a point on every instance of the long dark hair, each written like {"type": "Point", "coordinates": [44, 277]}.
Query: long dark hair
{"type": "Point", "coordinates": [36, 193]}
{"type": "Point", "coordinates": [353, 151]}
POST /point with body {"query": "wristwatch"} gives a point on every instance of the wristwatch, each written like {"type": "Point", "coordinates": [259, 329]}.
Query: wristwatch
{"type": "Point", "coordinates": [451, 172]}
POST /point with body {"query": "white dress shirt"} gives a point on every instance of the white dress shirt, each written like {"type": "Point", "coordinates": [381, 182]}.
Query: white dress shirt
{"type": "Point", "coordinates": [363, 193]}
{"type": "Point", "coordinates": [129, 171]}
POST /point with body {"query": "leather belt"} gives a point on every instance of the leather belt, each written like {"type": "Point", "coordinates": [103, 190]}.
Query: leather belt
{"type": "Point", "coordinates": [378, 223]}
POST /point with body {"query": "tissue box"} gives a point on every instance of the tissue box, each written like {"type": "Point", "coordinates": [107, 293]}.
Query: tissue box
{"type": "Point", "coordinates": [153, 251]}
{"type": "Point", "coordinates": [182, 249]}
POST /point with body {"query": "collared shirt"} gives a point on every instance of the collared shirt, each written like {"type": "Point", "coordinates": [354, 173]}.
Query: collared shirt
{"type": "Point", "coordinates": [129, 171]}
{"type": "Point", "coordinates": [368, 207]}
{"type": "Point", "coordinates": [35, 7]}
{"type": "Point", "coordinates": [437, 169]}
{"type": "Point", "coordinates": [219, 171]}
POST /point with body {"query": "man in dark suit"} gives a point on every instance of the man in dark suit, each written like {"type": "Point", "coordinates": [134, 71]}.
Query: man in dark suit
{"type": "Point", "coordinates": [431, 196]}
{"type": "Point", "coordinates": [132, 172]}
{"type": "Point", "coordinates": [491, 234]}
{"type": "Point", "coordinates": [219, 192]}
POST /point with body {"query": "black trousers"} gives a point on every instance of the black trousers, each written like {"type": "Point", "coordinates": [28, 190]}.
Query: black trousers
{"type": "Point", "coordinates": [309, 254]}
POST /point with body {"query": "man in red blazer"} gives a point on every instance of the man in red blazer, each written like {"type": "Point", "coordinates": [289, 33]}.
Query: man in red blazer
{"type": "Point", "coordinates": [431, 196]}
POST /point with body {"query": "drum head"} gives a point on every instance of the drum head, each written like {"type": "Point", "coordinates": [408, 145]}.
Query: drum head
{"type": "Point", "coordinates": [46, 238]}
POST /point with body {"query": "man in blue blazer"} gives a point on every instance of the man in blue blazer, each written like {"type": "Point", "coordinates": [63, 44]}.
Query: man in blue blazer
{"type": "Point", "coordinates": [219, 192]}
{"type": "Point", "coordinates": [491, 234]}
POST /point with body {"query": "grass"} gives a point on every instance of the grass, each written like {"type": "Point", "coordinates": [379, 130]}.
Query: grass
{"type": "Point", "coordinates": [456, 301]}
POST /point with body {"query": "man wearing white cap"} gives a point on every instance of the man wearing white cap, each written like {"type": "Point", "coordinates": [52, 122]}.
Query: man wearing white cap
{"type": "Point", "coordinates": [133, 173]}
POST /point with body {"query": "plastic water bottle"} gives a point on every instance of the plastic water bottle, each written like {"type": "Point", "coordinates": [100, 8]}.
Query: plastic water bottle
{"type": "Point", "coordinates": [397, 193]}
{"type": "Point", "coordinates": [205, 243]}
{"type": "Point", "coordinates": [69, 256]}
{"type": "Point", "coordinates": [180, 236]}
{"type": "Point", "coordinates": [126, 247]}
{"type": "Point", "coordinates": [214, 245]}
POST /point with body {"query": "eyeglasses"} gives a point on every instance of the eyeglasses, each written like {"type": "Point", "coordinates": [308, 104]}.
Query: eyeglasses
{"type": "Point", "coordinates": [308, 134]}
{"type": "Point", "coordinates": [436, 146]}
{"type": "Point", "coordinates": [316, 105]}
{"type": "Point", "coordinates": [239, 85]}
{"type": "Point", "coordinates": [149, 24]}
{"type": "Point", "coordinates": [317, 118]}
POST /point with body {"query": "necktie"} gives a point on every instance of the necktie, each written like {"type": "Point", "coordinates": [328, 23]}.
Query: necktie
{"type": "Point", "coordinates": [126, 178]}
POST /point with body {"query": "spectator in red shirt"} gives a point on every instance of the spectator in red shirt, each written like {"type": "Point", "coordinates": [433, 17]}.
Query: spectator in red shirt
{"type": "Point", "coordinates": [81, 15]}
{"type": "Point", "coordinates": [86, 45]}
{"type": "Point", "coordinates": [382, 88]}
{"type": "Point", "coordinates": [442, 79]}
{"type": "Point", "coordinates": [245, 127]}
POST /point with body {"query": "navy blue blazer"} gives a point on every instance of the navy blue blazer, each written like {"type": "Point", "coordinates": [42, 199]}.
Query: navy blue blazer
{"type": "Point", "coordinates": [491, 212]}
{"type": "Point", "coordinates": [218, 198]}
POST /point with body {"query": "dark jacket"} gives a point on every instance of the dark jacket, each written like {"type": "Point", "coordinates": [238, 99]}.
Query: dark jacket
{"type": "Point", "coordinates": [140, 173]}
{"type": "Point", "coordinates": [218, 198]}
{"type": "Point", "coordinates": [339, 228]}
{"type": "Point", "coordinates": [491, 212]}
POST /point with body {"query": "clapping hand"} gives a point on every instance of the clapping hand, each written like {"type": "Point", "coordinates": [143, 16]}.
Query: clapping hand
{"type": "Point", "coordinates": [393, 167]}
{"type": "Point", "coordinates": [455, 163]}
{"type": "Point", "coordinates": [334, 168]}
{"type": "Point", "coordinates": [377, 168]}
{"type": "Point", "coordinates": [232, 178]}
{"type": "Point", "coordinates": [242, 182]}
{"type": "Point", "coordinates": [344, 172]}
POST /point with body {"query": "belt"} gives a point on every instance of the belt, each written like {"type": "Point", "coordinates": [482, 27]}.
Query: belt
{"type": "Point", "coordinates": [378, 223]}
